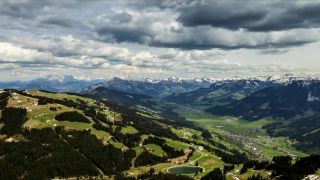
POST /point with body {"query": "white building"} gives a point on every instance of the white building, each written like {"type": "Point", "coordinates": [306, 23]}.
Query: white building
{"type": "Point", "coordinates": [312, 98]}
{"type": "Point", "coordinates": [200, 148]}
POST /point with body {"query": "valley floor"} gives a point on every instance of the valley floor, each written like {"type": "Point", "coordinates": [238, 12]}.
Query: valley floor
{"type": "Point", "coordinates": [244, 135]}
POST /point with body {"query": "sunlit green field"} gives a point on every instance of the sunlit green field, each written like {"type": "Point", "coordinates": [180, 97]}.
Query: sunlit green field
{"type": "Point", "coordinates": [176, 144]}
{"type": "Point", "coordinates": [155, 149]}
{"type": "Point", "coordinates": [61, 96]}
{"type": "Point", "coordinates": [129, 130]}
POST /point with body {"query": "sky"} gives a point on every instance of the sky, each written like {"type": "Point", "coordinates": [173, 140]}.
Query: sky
{"type": "Point", "coordinates": [158, 39]}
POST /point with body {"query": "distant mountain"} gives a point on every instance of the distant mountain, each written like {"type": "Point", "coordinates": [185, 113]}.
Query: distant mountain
{"type": "Point", "coordinates": [150, 87]}
{"type": "Point", "coordinates": [288, 78]}
{"type": "Point", "coordinates": [299, 98]}
{"type": "Point", "coordinates": [153, 88]}
{"type": "Point", "coordinates": [51, 83]}
{"type": "Point", "coordinates": [174, 86]}
{"type": "Point", "coordinates": [121, 98]}
{"type": "Point", "coordinates": [220, 93]}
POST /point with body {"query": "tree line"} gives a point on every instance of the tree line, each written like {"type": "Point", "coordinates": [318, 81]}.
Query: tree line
{"type": "Point", "coordinates": [13, 119]}
{"type": "Point", "coordinates": [281, 167]}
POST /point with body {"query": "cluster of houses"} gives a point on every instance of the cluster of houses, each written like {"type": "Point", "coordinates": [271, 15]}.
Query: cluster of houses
{"type": "Point", "coordinates": [197, 147]}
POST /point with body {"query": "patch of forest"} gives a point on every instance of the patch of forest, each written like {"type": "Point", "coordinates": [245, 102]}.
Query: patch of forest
{"type": "Point", "coordinates": [72, 116]}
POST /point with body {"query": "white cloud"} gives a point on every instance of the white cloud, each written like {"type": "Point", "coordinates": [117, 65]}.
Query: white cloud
{"type": "Point", "coordinates": [8, 66]}
{"type": "Point", "coordinates": [12, 53]}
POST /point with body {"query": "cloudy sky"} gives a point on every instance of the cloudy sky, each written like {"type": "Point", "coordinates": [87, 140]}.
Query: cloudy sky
{"type": "Point", "coordinates": [158, 39]}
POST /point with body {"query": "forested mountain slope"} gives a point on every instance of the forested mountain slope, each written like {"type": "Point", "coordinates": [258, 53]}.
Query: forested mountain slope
{"type": "Point", "coordinates": [46, 135]}
{"type": "Point", "coordinates": [220, 93]}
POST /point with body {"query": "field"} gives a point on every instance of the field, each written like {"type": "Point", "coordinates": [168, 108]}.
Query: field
{"type": "Point", "coordinates": [154, 149]}
{"type": "Point", "coordinates": [176, 144]}
{"type": "Point", "coordinates": [129, 130]}
{"type": "Point", "coordinates": [61, 96]}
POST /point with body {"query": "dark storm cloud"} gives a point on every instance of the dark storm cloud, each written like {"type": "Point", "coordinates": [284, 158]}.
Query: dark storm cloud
{"type": "Point", "coordinates": [274, 51]}
{"type": "Point", "coordinates": [115, 34]}
{"type": "Point", "coordinates": [59, 21]}
{"type": "Point", "coordinates": [124, 27]}
{"type": "Point", "coordinates": [205, 46]}
{"type": "Point", "coordinates": [161, 4]}
{"type": "Point", "coordinates": [206, 37]}
{"type": "Point", "coordinates": [213, 24]}
{"type": "Point", "coordinates": [183, 24]}
{"type": "Point", "coordinates": [219, 15]}
{"type": "Point", "coordinates": [19, 8]}
{"type": "Point", "coordinates": [252, 15]}
{"type": "Point", "coordinates": [33, 8]}
{"type": "Point", "coordinates": [307, 16]}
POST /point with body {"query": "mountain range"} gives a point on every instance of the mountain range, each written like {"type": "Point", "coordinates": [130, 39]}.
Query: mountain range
{"type": "Point", "coordinates": [153, 88]}
{"type": "Point", "coordinates": [299, 98]}
{"type": "Point", "coordinates": [220, 93]}
{"type": "Point", "coordinates": [153, 125]}
{"type": "Point", "coordinates": [51, 83]}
